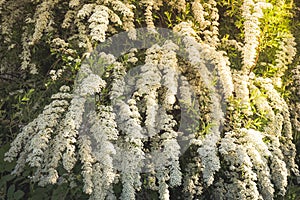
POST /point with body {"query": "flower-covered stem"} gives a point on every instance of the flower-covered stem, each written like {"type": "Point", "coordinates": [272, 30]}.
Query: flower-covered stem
{"type": "Point", "coordinates": [273, 133]}
{"type": "Point", "coordinates": [148, 14]}
{"type": "Point", "coordinates": [239, 161]}
{"type": "Point", "coordinates": [295, 106]}
{"type": "Point", "coordinates": [148, 85]}
{"type": "Point", "coordinates": [130, 155]}
{"type": "Point", "coordinates": [12, 13]}
{"type": "Point", "coordinates": [192, 180]}
{"type": "Point", "coordinates": [66, 137]}
{"type": "Point", "coordinates": [104, 132]}
{"type": "Point", "coordinates": [126, 10]}
{"type": "Point", "coordinates": [169, 68]}
{"type": "Point", "coordinates": [26, 52]}
{"type": "Point", "coordinates": [37, 134]}
{"type": "Point", "coordinates": [252, 11]}
{"type": "Point", "coordinates": [99, 21]}
{"type": "Point", "coordinates": [211, 35]}
{"type": "Point", "coordinates": [165, 155]}
{"type": "Point", "coordinates": [284, 56]}
{"type": "Point", "coordinates": [207, 151]}
{"type": "Point", "coordinates": [259, 154]}
{"type": "Point", "coordinates": [87, 159]}
{"type": "Point", "coordinates": [42, 18]}
{"type": "Point", "coordinates": [241, 88]}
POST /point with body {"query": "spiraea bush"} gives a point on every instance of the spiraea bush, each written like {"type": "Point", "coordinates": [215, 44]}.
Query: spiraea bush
{"type": "Point", "coordinates": [232, 71]}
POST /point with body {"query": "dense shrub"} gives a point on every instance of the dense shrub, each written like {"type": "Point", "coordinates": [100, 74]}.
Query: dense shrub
{"type": "Point", "coordinates": [207, 106]}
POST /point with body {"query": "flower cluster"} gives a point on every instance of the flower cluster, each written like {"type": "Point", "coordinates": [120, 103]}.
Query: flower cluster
{"type": "Point", "coordinates": [43, 19]}
{"type": "Point", "coordinates": [278, 103]}
{"type": "Point", "coordinates": [85, 153]}
{"type": "Point", "coordinates": [248, 157]}
{"type": "Point", "coordinates": [207, 150]}
{"type": "Point", "coordinates": [148, 14]}
{"type": "Point", "coordinates": [252, 11]}
{"type": "Point", "coordinates": [35, 138]}
{"type": "Point", "coordinates": [53, 135]}
{"type": "Point", "coordinates": [26, 53]}
{"type": "Point", "coordinates": [99, 23]}
{"type": "Point", "coordinates": [104, 132]}
{"type": "Point", "coordinates": [92, 20]}
{"type": "Point", "coordinates": [284, 57]}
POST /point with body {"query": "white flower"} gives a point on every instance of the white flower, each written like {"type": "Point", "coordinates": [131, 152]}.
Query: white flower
{"type": "Point", "coordinates": [224, 72]}
{"type": "Point", "coordinates": [165, 156]}
{"type": "Point", "coordinates": [236, 155]}
{"type": "Point", "coordinates": [280, 174]}
{"type": "Point", "coordinates": [199, 14]}
{"type": "Point", "coordinates": [148, 14]}
{"type": "Point", "coordinates": [91, 85]}
{"type": "Point", "coordinates": [87, 160]}
{"type": "Point", "coordinates": [42, 18]}
{"type": "Point", "coordinates": [210, 161]}
{"type": "Point", "coordinates": [104, 132]}
{"type": "Point", "coordinates": [284, 56]}
{"type": "Point", "coordinates": [85, 11]}
{"type": "Point", "coordinates": [185, 29]}
{"type": "Point", "coordinates": [252, 30]}
{"type": "Point", "coordinates": [129, 155]}
{"type": "Point", "coordinates": [99, 21]}
{"type": "Point", "coordinates": [168, 64]}
{"type": "Point", "coordinates": [118, 83]}
{"type": "Point", "coordinates": [35, 138]}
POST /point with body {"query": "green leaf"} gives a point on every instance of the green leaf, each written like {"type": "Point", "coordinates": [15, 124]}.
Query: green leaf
{"type": "Point", "coordinates": [6, 179]}
{"type": "Point", "coordinates": [10, 192]}
{"type": "Point", "coordinates": [60, 192]}
{"type": "Point", "coordinates": [5, 166]}
{"type": "Point", "coordinates": [39, 194]}
{"type": "Point", "coordinates": [18, 194]}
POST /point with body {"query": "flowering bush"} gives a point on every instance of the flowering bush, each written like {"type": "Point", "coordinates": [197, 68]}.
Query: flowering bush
{"type": "Point", "coordinates": [206, 108]}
